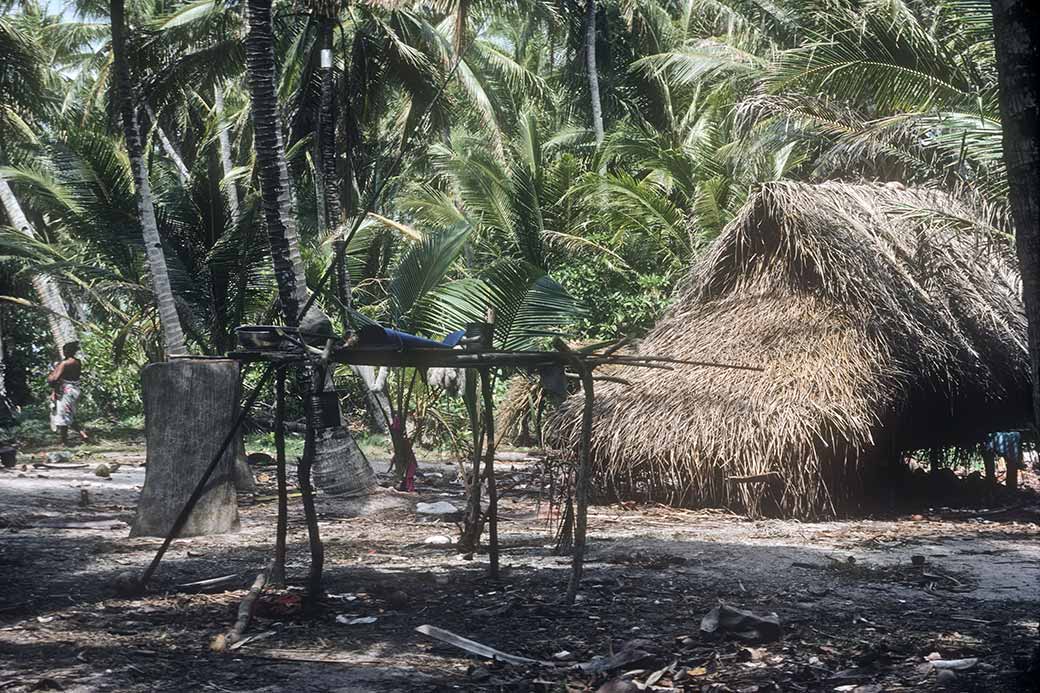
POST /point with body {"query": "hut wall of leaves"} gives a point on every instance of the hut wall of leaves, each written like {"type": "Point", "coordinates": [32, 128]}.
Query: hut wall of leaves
{"type": "Point", "coordinates": [886, 319]}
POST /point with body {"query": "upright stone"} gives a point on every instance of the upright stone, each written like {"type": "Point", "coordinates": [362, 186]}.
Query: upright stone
{"type": "Point", "coordinates": [189, 407]}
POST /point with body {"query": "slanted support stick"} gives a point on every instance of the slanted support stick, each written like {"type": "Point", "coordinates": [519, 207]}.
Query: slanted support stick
{"type": "Point", "coordinates": [278, 567]}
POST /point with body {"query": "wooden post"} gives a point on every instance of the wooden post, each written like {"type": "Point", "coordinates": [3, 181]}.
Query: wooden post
{"type": "Point", "coordinates": [582, 485]}
{"type": "Point", "coordinates": [582, 477]}
{"type": "Point", "coordinates": [307, 489]}
{"type": "Point", "coordinates": [278, 568]}
{"type": "Point", "coordinates": [989, 464]}
{"type": "Point", "coordinates": [1011, 462]}
{"type": "Point", "coordinates": [489, 467]}
{"type": "Point", "coordinates": [471, 523]}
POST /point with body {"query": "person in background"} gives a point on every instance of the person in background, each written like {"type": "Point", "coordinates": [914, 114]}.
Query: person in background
{"type": "Point", "coordinates": [65, 392]}
{"type": "Point", "coordinates": [1007, 444]}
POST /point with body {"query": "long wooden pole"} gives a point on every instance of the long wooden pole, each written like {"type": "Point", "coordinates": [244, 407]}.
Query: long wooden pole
{"type": "Point", "coordinates": [489, 467]}
{"type": "Point", "coordinates": [471, 523]}
{"type": "Point", "coordinates": [278, 569]}
{"type": "Point", "coordinates": [582, 483]}
{"type": "Point", "coordinates": [314, 377]}
{"type": "Point", "coordinates": [582, 478]}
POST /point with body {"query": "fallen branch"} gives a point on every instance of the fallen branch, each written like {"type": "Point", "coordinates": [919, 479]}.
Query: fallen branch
{"type": "Point", "coordinates": [209, 584]}
{"type": "Point", "coordinates": [474, 647]}
{"type": "Point", "coordinates": [245, 612]}
{"type": "Point", "coordinates": [252, 638]}
{"type": "Point", "coordinates": [597, 666]}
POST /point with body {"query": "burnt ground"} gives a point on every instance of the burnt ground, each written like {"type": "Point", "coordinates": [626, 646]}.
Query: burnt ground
{"type": "Point", "coordinates": [868, 624]}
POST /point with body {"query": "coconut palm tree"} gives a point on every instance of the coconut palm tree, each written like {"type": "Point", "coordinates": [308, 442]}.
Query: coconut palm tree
{"type": "Point", "coordinates": [23, 88]}
{"type": "Point", "coordinates": [62, 329]}
{"type": "Point", "coordinates": [592, 70]}
{"type": "Point", "coordinates": [1018, 51]}
{"type": "Point", "coordinates": [128, 108]}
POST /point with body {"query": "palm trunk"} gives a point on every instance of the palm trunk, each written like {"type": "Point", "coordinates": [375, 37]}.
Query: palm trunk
{"type": "Point", "coordinates": [168, 318]}
{"type": "Point", "coordinates": [1016, 25]}
{"type": "Point", "coordinates": [270, 157]}
{"type": "Point", "coordinates": [178, 163]}
{"type": "Point", "coordinates": [6, 409]}
{"type": "Point", "coordinates": [332, 449]}
{"type": "Point", "coordinates": [327, 131]}
{"type": "Point", "coordinates": [374, 380]}
{"type": "Point", "coordinates": [225, 153]}
{"type": "Point", "coordinates": [590, 65]}
{"type": "Point", "coordinates": [62, 329]}
{"type": "Point", "coordinates": [1016, 29]}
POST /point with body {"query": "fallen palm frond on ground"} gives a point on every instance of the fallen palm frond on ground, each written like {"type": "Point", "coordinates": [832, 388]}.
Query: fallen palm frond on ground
{"type": "Point", "coordinates": [881, 327]}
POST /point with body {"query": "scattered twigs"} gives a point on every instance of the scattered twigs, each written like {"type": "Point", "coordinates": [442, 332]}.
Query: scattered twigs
{"type": "Point", "coordinates": [245, 612]}
{"type": "Point", "coordinates": [252, 638]}
{"type": "Point", "coordinates": [200, 487]}
{"type": "Point", "coordinates": [755, 478]}
{"type": "Point", "coordinates": [278, 571]}
{"type": "Point", "coordinates": [943, 576]}
{"type": "Point", "coordinates": [565, 537]}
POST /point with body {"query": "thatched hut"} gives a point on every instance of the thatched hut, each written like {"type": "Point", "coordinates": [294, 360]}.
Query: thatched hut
{"type": "Point", "coordinates": [882, 326]}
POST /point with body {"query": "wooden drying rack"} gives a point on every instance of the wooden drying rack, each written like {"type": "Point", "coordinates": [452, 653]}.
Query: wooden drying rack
{"type": "Point", "coordinates": [474, 357]}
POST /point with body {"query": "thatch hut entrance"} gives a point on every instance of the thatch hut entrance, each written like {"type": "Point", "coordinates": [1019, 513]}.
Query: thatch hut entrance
{"type": "Point", "coordinates": [883, 325]}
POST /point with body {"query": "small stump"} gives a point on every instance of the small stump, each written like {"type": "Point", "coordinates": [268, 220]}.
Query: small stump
{"type": "Point", "coordinates": [189, 406]}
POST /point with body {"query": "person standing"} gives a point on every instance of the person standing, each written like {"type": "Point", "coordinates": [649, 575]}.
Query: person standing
{"type": "Point", "coordinates": [65, 391]}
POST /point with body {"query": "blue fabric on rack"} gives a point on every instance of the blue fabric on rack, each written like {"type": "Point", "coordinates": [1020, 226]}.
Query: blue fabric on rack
{"type": "Point", "coordinates": [379, 336]}
{"type": "Point", "coordinates": [1006, 444]}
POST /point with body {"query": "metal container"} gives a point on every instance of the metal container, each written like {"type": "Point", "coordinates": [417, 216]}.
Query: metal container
{"type": "Point", "coordinates": [479, 336]}
{"type": "Point", "coordinates": [268, 338]}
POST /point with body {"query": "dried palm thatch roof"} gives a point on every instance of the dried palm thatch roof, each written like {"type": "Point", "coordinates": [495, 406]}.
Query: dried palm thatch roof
{"type": "Point", "coordinates": [882, 325]}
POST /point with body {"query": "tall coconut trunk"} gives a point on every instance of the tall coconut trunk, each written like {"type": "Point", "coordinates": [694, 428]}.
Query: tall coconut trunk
{"type": "Point", "coordinates": [273, 171]}
{"type": "Point", "coordinates": [126, 100]}
{"type": "Point", "coordinates": [62, 329]}
{"type": "Point", "coordinates": [1016, 28]}
{"type": "Point", "coordinates": [1016, 25]}
{"type": "Point", "coordinates": [226, 162]}
{"type": "Point", "coordinates": [326, 135]}
{"type": "Point", "coordinates": [590, 66]}
{"type": "Point", "coordinates": [6, 408]}
{"type": "Point", "coordinates": [333, 447]}
{"type": "Point", "coordinates": [374, 380]}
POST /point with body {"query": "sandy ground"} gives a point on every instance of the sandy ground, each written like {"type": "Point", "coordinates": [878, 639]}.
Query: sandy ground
{"type": "Point", "coordinates": [867, 624]}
